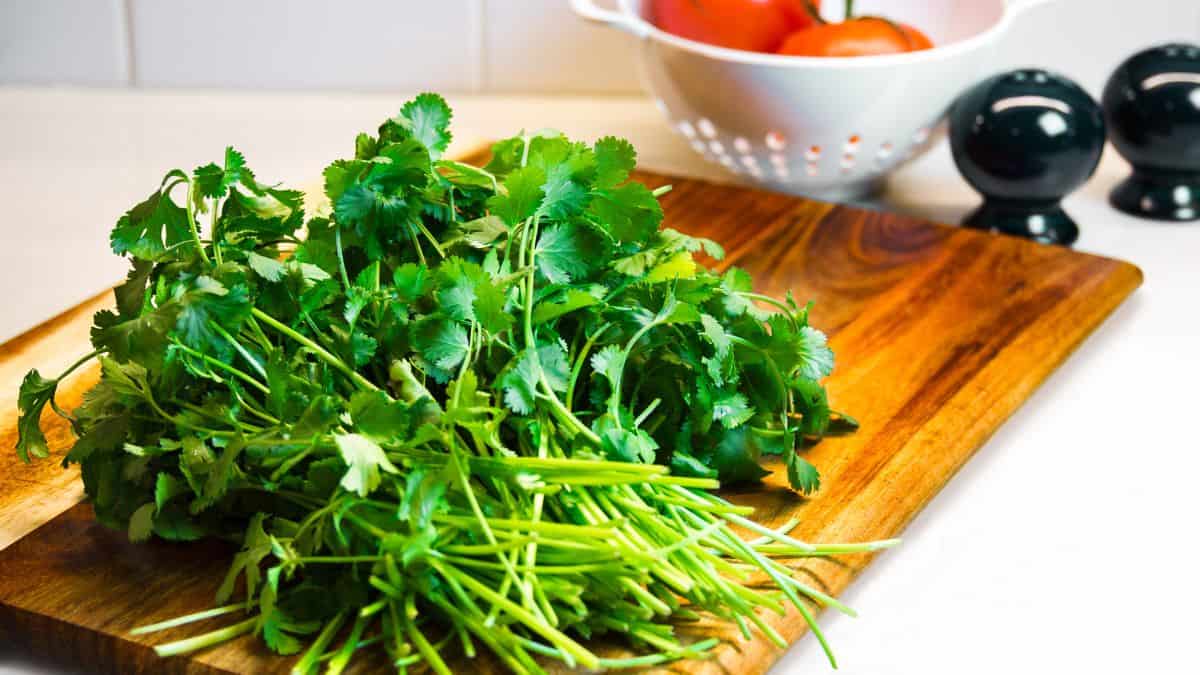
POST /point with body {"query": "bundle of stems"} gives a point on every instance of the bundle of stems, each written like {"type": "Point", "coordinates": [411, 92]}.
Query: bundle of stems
{"type": "Point", "coordinates": [460, 407]}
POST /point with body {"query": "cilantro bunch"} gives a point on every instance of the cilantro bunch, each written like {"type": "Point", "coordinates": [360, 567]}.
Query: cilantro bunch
{"type": "Point", "coordinates": [455, 407]}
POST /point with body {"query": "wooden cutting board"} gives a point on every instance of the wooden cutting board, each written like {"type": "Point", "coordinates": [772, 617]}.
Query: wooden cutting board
{"type": "Point", "coordinates": [940, 333]}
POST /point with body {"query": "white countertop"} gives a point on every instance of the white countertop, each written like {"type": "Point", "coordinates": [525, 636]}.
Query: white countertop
{"type": "Point", "coordinates": [1063, 546]}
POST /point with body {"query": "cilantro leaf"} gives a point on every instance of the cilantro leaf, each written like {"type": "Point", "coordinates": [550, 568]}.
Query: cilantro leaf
{"type": "Point", "coordinates": [364, 461]}
{"type": "Point", "coordinates": [574, 299]}
{"type": "Point", "coordinates": [445, 343]}
{"type": "Point", "coordinates": [522, 195]}
{"type": "Point", "coordinates": [564, 197]}
{"type": "Point", "coordinates": [166, 488]}
{"type": "Point", "coordinates": [802, 475]}
{"type": "Point", "coordinates": [732, 410]}
{"type": "Point", "coordinates": [207, 302]}
{"type": "Point", "coordinates": [174, 523]}
{"type": "Point", "coordinates": [631, 213]}
{"type": "Point", "coordinates": [615, 158]}
{"type": "Point", "coordinates": [378, 417]}
{"type": "Point", "coordinates": [566, 252]}
{"type": "Point", "coordinates": [36, 392]}
{"type": "Point", "coordinates": [679, 266]}
{"type": "Point", "coordinates": [430, 119]}
{"type": "Point", "coordinates": [141, 523]}
{"type": "Point", "coordinates": [147, 229]}
{"type": "Point", "coordinates": [268, 268]}
{"type": "Point", "coordinates": [215, 181]}
{"type": "Point", "coordinates": [410, 281]}
{"type": "Point", "coordinates": [131, 295]}
{"type": "Point", "coordinates": [519, 383]}
{"type": "Point", "coordinates": [816, 358]}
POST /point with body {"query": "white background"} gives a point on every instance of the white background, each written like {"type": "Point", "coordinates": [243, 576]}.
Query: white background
{"type": "Point", "coordinates": [506, 46]}
{"type": "Point", "coordinates": [1066, 545]}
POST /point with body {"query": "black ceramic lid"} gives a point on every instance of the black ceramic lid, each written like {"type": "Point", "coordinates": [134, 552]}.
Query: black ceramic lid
{"type": "Point", "coordinates": [1027, 136]}
{"type": "Point", "coordinates": [1152, 102]}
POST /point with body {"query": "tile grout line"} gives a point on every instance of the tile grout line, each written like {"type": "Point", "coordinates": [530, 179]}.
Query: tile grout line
{"type": "Point", "coordinates": [127, 25]}
{"type": "Point", "coordinates": [480, 77]}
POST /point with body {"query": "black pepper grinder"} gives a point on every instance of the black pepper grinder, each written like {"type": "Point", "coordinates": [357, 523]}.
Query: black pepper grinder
{"type": "Point", "coordinates": [1025, 139]}
{"type": "Point", "coordinates": [1152, 103]}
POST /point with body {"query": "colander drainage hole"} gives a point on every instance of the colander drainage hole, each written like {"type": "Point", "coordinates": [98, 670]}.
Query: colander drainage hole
{"type": "Point", "coordinates": [706, 127]}
{"type": "Point", "coordinates": [717, 147]}
{"type": "Point", "coordinates": [885, 151]}
{"type": "Point", "coordinates": [776, 141]}
{"type": "Point", "coordinates": [852, 144]}
{"type": "Point", "coordinates": [742, 145]}
{"type": "Point", "coordinates": [813, 154]}
{"type": "Point", "coordinates": [685, 127]}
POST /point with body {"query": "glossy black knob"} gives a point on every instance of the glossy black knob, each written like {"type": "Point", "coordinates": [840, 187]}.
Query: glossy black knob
{"type": "Point", "coordinates": [1152, 103]}
{"type": "Point", "coordinates": [1026, 139]}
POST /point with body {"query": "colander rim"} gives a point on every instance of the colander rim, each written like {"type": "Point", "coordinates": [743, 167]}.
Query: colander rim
{"type": "Point", "coordinates": [644, 28]}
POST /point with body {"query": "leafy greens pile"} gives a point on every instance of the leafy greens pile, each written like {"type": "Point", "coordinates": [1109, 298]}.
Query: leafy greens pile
{"type": "Point", "coordinates": [456, 406]}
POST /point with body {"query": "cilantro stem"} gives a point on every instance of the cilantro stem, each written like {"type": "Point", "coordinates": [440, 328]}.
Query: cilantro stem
{"type": "Point", "coordinates": [191, 218]}
{"type": "Point", "coordinates": [254, 410]}
{"type": "Point", "coordinates": [559, 639]}
{"type": "Point", "coordinates": [244, 426]}
{"type": "Point", "coordinates": [214, 229]}
{"type": "Point", "coordinates": [518, 275]}
{"type": "Point", "coordinates": [310, 658]}
{"type": "Point", "coordinates": [580, 359]}
{"type": "Point", "coordinates": [316, 349]}
{"type": "Point", "coordinates": [432, 239]}
{"type": "Point", "coordinates": [614, 401]}
{"type": "Point", "coordinates": [189, 618]}
{"type": "Point", "coordinates": [482, 520]}
{"type": "Point", "coordinates": [341, 657]}
{"type": "Point", "coordinates": [82, 360]}
{"type": "Point", "coordinates": [647, 412]}
{"type": "Point", "coordinates": [774, 367]}
{"type": "Point", "coordinates": [339, 559]}
{"type": "Point", "coordinates": [248, 379]}
{"type": "Point", "coordinates": [787, 311]}
{"type": "Point", "coordinates": [414, 634]}
{"type": "Point", "coordinates": [337, 239]}
{"type": "Point", "coordinates": [241, 350]}
{"type": "Point", "coordinates": [216, 637]}
{"type": "Point", "coordinates": [70, 369]}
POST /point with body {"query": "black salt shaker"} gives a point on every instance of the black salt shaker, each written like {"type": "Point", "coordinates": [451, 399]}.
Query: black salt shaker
{"type": "Point", "coordinates": [1152, 104]}
{"type": "Point", "coordinates": [1025, 139]}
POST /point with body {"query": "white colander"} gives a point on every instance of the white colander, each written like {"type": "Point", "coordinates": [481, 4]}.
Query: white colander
{"type": "Point", "coordinates": [826, 127]}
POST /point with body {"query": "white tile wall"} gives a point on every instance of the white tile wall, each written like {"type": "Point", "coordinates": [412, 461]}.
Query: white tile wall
{"type": "Point", "coordinates": [540, 45]}
{"type": "Point", "coordinates": [449, 45]}
{"type": "Point", "coordinates": [75, 41]}
{"type": "Point", "coordinates": [1087, 39]}
{"type": "Point", "coordinates": [300, 44]}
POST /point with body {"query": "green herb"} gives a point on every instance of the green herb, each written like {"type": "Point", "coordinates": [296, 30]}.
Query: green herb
{"type": "Point", "coordinates": [461, 408]}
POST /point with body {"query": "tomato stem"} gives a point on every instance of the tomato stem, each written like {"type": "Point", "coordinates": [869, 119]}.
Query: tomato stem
{"type": "Point", "coordinates": [814, 13]}
{"type": "Point", "coordinates": [849, 10]}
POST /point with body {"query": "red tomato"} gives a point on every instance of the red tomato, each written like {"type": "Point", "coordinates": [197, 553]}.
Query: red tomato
{"type": "Point", "coordinates": [752, 25]}
{"type": "Point", "coordinates": [865, 36]}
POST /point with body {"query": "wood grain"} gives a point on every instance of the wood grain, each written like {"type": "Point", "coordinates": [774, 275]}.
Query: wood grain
{"type": "Point", "coordinates": [941, 333]}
